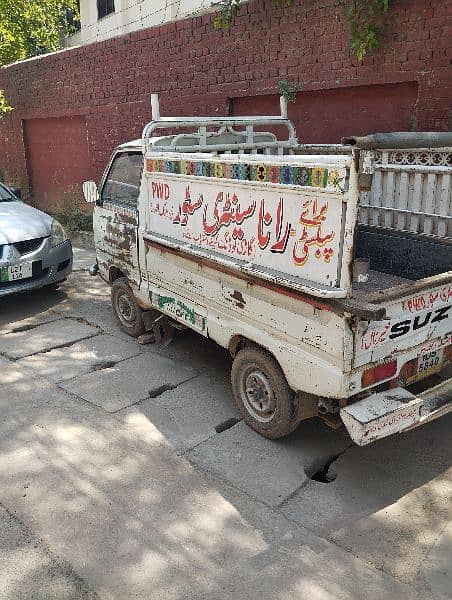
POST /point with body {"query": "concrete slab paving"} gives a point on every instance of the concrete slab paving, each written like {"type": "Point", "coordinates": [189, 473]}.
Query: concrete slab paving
{"type": "Point", "coordinates": [189, 414]}
{"type": "Point", "coordinates": [319, 573]}
{"type": "Point", "coordinates": [29, 571]}
{"type": "Point", "coordinates": [90, 298]}
{"type": "Point", "coordinates": [107, 495]}
{"type": "Point", "coordinates": [209, 358]}
{"type": "Point", "coordinates": [44, 337]}
{"type": "Point", "coordinates": [82, 357]}
{"type": "Point", "coordinates": [436, 570]}
{"type": "Point", "coordinates": [79, 295]}
{"type": "Point", "coordinates": [268, 470]}
{"type": "Point", "coordinates": [26, 310]}
{"type": "Point", "coordinates": [83, 258]}
{"type": "Point", "coordinates": [134, 520]}
{"type": "Point", "coordinates": [390, 501]}
{"type": "Point", "coordinates": [130, 381]}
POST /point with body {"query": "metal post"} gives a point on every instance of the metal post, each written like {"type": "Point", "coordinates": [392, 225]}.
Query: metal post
{"type": "Point", "coordinates": [283, 105]}
{"type": "Point", "coordinates": [155, 107]}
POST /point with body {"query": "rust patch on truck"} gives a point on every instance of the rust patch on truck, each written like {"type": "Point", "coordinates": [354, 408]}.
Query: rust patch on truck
{"type": "Point", "coordinates": [128, 219]}
{"type": "Point", "coordinates": [238, 297]}
{"type": "Point", "coordinates": [118, 238]}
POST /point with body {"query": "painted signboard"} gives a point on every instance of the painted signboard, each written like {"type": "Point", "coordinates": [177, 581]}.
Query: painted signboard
{"type": "Point", "coordinates": [296, 232]}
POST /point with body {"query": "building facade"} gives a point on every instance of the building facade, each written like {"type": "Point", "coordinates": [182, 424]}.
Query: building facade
{"type": "Point", "coordinates": [102, 19]}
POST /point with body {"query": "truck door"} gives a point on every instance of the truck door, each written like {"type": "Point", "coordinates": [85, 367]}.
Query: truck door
{"type": "Point", "coordinates": [115, 217]}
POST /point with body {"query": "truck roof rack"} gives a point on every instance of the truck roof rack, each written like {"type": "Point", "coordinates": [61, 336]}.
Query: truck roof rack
{"type": "Point", "coordinates": [218, 133]}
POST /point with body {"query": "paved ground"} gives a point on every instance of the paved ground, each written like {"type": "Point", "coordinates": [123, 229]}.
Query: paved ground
{"type": "Point", "coordinates": [119, 478]}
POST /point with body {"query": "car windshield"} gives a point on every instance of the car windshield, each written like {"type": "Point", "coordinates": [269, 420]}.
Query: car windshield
{"type": "Point", "coordinates": [5, 194]}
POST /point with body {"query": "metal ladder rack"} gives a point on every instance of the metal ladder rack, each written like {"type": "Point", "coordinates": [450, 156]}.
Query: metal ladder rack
{"type": "Point", "coordinates": [226, 138]}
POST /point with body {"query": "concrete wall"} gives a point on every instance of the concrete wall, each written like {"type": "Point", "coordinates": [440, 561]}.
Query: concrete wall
{"type": "Point", "coordinates": [406, 84]}
{"type": "Point", "coordinates": [131, 15]}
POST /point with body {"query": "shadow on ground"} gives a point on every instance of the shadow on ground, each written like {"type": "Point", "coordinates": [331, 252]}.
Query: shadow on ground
{"type": "Point", "coordinates": [136, 519]}
{"type": "Point", "coordinates": [29, 305]}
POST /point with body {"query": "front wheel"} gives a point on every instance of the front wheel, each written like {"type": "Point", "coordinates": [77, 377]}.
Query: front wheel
{"type": "Point", "coordinates": [262, 394]}
{"type": "Point", "coordinates": [125, 308]}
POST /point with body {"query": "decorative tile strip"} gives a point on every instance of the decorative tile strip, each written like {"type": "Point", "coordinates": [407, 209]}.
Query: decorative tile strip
{"type": "Point", "coordinates": [429, 158]}
{"type": "Point", "coordinates": [317, 177]}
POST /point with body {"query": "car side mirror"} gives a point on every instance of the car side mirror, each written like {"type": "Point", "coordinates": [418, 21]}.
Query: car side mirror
{"type": "Point", "coordinates": [17, 192]}
{"type": "Point", "coordinates": [90, 192]}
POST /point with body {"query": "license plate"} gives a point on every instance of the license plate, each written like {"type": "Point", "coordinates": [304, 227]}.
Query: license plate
{"type": "Point", "coordinates": [427, 365]}
{"type": "Point", "coordinates": [16, 272]}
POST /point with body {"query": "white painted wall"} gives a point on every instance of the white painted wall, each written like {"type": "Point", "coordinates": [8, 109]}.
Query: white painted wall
{"type": "Point", "coordinates": [131, 15]}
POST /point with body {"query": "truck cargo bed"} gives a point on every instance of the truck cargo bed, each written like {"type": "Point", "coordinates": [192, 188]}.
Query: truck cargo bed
{"type": "Point", "coordinates": [404, 254]}
{"type": "Point", "coordinates": [378, 281]}
{"type": "Point", "coordinates": [400, 263]}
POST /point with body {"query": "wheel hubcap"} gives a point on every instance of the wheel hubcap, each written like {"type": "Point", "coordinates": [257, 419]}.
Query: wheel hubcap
{"type": "Point", "coordinates": [125, 308]}
{"type": "Point", "coordinates": [257, 395]}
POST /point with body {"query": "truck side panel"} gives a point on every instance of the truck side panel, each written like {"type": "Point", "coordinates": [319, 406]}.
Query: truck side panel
{"type": "Point", "coordinates": [308, 341]}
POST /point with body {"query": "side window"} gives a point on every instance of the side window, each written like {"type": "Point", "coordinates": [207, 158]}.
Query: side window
{"type": "Point", "coordinates": [123, 181]}
{"type": "Point", "coordinates": [105, 7]}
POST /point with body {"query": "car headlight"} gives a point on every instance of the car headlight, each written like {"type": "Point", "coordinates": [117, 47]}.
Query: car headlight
{"type": "Point", "coordinates": [57, 235]}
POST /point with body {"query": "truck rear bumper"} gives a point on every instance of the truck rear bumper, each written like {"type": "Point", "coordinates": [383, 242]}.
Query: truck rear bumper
{"type": "Point", "coordinates": [394, 411]}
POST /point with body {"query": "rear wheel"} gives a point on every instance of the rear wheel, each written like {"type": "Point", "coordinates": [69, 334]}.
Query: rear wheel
{"type": "Point", "coordinates": [125, 308]}
{"type": "Point", "coordinates": [262, 394]}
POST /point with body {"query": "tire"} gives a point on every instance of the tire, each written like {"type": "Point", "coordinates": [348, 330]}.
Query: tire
{"type": "Point", "coordinates": [262, 394]}
{"type": "Point", "coordinates": [128, 314]}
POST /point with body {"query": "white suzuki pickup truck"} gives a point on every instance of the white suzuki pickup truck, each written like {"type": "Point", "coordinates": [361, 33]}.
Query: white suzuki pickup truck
{"type": "Point", "coordinates": [325, 270]}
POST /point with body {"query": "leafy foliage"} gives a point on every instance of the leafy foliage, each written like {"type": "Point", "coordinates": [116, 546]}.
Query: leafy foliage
{"type": "Point", "coordinates": [5, 108]}
{"type": "Point", "coordinates": [365, 18]}
{"type": "Point", "coordinates": [32, 27]}
{"type": "Point", "coordinates": [74, 219]}
{"type": "Point", "coordinates": [228, 10]}
{"type": "Point", "coordinates": [288, 90]}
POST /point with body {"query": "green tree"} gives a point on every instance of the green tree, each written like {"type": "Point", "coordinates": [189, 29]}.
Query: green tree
{"type": "Point", "coordinates": [32, 27]}
{"type": "Point", "coordinates": [5, 108]}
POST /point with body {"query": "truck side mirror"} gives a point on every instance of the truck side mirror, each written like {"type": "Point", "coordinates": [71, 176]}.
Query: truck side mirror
{"type": "Point", "coordinates": [90, 192]}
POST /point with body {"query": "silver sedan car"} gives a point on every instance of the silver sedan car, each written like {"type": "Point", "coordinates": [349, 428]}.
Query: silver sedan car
{"type": "Point", "coordinates": [35, 251]}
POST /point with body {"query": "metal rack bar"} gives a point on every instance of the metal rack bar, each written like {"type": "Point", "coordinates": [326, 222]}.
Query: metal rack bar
{"type": "Point", "coordinates": [202, 123]}
{"type": "Point", "coordinates": [407, 211]}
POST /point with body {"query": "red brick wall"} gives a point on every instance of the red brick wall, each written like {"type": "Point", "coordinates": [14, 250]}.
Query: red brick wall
{"type": "Point", "coordinates": [199, 70]}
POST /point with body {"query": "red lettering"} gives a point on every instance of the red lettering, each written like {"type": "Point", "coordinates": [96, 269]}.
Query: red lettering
{"type": "Point", "coordinates": [160, 190]}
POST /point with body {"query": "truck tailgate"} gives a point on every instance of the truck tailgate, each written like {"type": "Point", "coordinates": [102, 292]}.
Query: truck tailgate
{"type": "Point", "coordinates": [422, 322]}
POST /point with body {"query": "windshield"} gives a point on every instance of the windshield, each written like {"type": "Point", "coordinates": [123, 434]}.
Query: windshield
{"type": "Point", "coordinates": [5, 194]}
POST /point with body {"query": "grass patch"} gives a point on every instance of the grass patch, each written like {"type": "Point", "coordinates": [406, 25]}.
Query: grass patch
{"type": "Point", "coordinates": [74, 219]}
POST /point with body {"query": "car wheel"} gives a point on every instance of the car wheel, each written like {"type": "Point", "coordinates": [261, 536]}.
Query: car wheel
{"type": "Point", "coordinates": [262, 394]}
{"type": "Point", "coordinates": [125, 308]}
